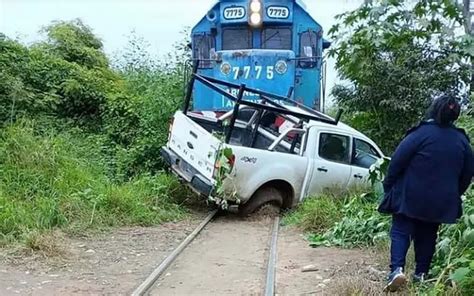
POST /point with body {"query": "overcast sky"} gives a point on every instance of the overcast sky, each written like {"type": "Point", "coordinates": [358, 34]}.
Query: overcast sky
{"type": "Point", "coordinates": [158, 21]}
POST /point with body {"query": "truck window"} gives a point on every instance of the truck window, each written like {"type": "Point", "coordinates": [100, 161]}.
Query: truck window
{"type": "Point", "coordinates": [202, 45]}
{"type": "Point", "coordinates": [334, 147]}
{"type": "Point", "coordinates": [364, 154]}
{"type": "Point", "coordinates": [308, 49]}
{"type": "Point", "coordinates": [236, 39]}
{"type": "Point", "coordinates": [277, 38]}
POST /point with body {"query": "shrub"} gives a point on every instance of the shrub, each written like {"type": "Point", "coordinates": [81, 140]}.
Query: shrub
{"type": "Point", "coordinates": [316, 214]}
{"type": "Point", "coordinates": [49, 181]}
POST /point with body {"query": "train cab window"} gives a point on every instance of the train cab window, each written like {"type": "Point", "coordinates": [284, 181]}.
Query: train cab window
{"type": "Point", "coordinates": [277, 38]}
{"type": "Point", "coordinates": [308, 49]}
{"type": "Point", "coordinates": [236, 38]}
{"type": "Point", "coordinates": [202, 47]}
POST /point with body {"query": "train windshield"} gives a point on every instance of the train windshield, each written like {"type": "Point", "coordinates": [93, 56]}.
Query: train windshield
{"type": "Point", "coordinates": [236, 39]}
{"type": "Point", "coordinates": [276, 38]}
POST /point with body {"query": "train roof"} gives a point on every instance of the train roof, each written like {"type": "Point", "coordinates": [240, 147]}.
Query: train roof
{"type": "Point", "coordinates": [299, 2]}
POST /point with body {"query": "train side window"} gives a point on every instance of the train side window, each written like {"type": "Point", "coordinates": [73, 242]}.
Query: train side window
{"type": "Point", "coordinates": [308, 49]}
{"type": "Point", "coordinates": [202, 47]}
{"type": "Point", "coordinates": [277, 38]}
{"type": "Point", "coordinates": [236, 38]}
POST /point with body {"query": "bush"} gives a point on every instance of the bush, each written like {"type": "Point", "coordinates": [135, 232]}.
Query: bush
{"type": "Point", "coordinates": [316, 214]}
{"type": "Point", "coordinates": [68, 76]}
{"type": "Point", "coordinates": [360, 225]}
{"type": "Point", "coordinates": [50, 180]}
{"type": "Point", "coordinates": [393, 58]}
{"type": "Point", "coordinates": [55, 77]}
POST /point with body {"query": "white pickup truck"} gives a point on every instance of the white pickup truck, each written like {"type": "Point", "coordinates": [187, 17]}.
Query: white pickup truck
{"type": "Point", "coordinates": [275, 159]}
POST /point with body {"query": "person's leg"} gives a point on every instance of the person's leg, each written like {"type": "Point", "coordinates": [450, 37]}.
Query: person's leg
{"type": "Point", "coordinates": [425, 244]}
{"type": "Point", "coordinates": [400, 234]}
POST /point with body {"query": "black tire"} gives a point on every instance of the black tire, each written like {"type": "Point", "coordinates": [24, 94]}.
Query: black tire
{"type": "Point", "coordinates": [266, 196]}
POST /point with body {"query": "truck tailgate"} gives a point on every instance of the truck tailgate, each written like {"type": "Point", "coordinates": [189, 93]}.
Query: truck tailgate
{"type": "Point", "coordinates": [194, 144]}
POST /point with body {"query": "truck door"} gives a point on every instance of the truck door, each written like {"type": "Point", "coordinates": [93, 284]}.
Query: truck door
{"type": "Point", "coordinates": [331, 165]}
{"type": "Point", "coordinates": [364, 155]}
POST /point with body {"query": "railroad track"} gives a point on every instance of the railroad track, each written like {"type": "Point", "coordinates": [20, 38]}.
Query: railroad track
{"type": "Point", "coordinates": [148, 285]}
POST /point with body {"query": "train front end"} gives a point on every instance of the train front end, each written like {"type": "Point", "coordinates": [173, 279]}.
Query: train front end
{"type": "Point", "coordinates": [263, 44]}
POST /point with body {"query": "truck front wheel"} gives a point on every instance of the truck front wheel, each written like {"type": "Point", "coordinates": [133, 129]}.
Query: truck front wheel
{"type": "Point", "coordinates": [266, 199]}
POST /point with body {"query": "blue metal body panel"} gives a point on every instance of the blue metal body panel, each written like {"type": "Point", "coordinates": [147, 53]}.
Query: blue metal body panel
{"type": "Point", "coordinates": [256, 67]}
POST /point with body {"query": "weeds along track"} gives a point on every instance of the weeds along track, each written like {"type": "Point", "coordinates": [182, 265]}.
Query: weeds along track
{"type": "Point", "coordinates": [223, 255]}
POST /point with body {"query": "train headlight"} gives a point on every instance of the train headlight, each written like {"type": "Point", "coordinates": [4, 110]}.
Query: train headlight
{"type": "Point", "coordinates": [255, 8]}
{"type": "Point", "coordinates": [225, 68]}
{"type": "Point", "coordinates": [255, 19]}
{"type": "Point", "coordinates": [281, 67]}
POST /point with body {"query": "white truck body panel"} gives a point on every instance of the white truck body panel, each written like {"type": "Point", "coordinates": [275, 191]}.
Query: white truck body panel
{"type": "Point", "coordinates": [254, 167]}
{"type": "Point", "coordinates": [193, 144]}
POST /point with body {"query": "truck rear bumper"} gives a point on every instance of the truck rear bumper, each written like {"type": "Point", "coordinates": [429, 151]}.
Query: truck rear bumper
{"type": "Point", "coordinates": [187, 173]}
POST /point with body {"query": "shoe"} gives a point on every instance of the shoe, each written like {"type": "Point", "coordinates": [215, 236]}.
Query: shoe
{"type": "Point", "coordinates": [396, 279]}
{"type": "Point", "coordinates": [419, 277]}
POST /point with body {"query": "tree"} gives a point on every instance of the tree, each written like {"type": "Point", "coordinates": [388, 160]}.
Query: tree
{"type": "Point", "coordinates": [75, 42]}
{"type": "Point", "coordinates": [395, 56]}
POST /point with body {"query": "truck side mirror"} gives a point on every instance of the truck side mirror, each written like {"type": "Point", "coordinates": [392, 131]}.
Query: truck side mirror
{"type": "Point", "coordinates": [189, 45]}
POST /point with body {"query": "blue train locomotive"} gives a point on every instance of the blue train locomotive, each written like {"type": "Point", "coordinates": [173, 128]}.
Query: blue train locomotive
{"type": "Point", "coordinates": [270, 45]}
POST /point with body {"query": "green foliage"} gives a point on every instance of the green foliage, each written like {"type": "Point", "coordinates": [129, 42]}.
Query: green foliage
{"type": "Point", "coordinates": [454, 258]}
{"type": "Point", "coordinates": [50, 179]}
{"type": "Point", "coordinates": [137, 117]}
{"type": "Point", "coordinates": [75, 42]}
{"type": "Point", "coordinates": [80, 139]}
{"type": "Point", "coordinates": [317, 214]}
{"type": "Point", "coordinates": [15, 93]}
{"type": "Point", "coordinates": [68, 76]}
{"type": "Point", "coordinates": [360, 225]}
{"type": "Point", "coordinates": [395, 56]}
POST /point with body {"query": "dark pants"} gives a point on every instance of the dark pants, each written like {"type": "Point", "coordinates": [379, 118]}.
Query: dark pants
{"type": "Point", "coordinates": [423, 234]}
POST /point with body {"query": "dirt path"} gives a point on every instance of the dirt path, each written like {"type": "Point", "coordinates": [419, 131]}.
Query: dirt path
{"type": "Point", "coordinates": [328, 265]}
{"type": "Point", "coordinates": [108, 264]}
{"type": "Point", "coordinates": [228, 258]}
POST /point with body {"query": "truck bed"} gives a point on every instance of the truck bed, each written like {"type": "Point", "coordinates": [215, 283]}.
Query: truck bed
{"type": "Point", "coordinates": [242, 132]}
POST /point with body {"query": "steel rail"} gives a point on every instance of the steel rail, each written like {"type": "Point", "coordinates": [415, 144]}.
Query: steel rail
{"type": "Point", "coordinates": [272, 260]}
{"type": "Point", "coordinates": [153, 277]}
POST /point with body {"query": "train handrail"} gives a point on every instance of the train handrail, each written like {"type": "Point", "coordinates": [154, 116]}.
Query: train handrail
{"type": "Point", "coordinates": [267, 97]}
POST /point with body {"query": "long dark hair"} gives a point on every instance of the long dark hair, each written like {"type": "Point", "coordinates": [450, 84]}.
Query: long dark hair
{"type": "Point", "coordinates": [444, 110]}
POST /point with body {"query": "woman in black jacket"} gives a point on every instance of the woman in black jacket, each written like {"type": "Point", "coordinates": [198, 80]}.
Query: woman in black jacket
{"type": "Point", "coordinates": [430, 170]}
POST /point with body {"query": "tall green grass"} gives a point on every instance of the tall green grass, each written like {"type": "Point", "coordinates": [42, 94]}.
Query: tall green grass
{"type": "Point", "coordinates": [57, 180]}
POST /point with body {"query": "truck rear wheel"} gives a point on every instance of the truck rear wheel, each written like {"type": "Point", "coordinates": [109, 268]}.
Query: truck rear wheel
{"type": "Point", "coordinates": [268, 200]}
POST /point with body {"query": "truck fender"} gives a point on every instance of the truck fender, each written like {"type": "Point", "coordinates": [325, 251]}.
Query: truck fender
{"type": "Point", "coordinates": [285, 181]}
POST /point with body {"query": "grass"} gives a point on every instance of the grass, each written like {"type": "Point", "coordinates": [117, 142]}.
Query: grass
{"type": "Point", "coordinates": [50, 180]}
{"type": "Point", "coordinates": [319, 213]}
{"type": "Point", "coordinates": [316, 214]}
